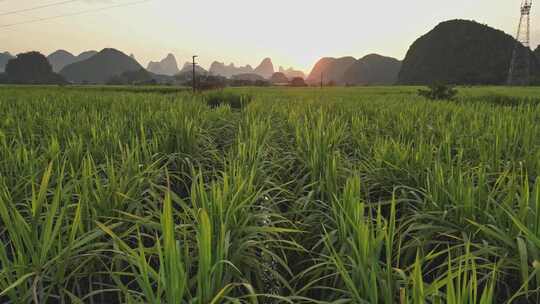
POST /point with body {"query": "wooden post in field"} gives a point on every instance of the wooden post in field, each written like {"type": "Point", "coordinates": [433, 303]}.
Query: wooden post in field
{"type": "Point", "coordinates": [322, 84]}
{"type": "Point", "coordinates": [193, 79]}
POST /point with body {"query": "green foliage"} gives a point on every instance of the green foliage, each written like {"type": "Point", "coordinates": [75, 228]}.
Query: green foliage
{"type": "Point", "coordinates": [31, 68]}
{"type": "Point", "coordinates": [298, 82]}
{"type": "Point", "coordinates": [221, 98]}
{"type": "Point", "coordinates": [139, 77]}
{"type": "Point", "coordinates": [341, 195]}
{"type": "Point", "coordinates": [438, 91]}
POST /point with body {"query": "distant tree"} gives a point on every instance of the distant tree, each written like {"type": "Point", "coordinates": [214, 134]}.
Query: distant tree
{"type": "Point", "coordinates": [215, 99]}
{"type": "Point", "coordinates": [211, 82]}
{"type": "Point", "coordinates": [239, 83]}
{"type": "Point", "coordinates": [298, 82]}
{"type": "Point", "coordinates": [138, 77]}
{"type": "Point", "coordinates": [204, 81]}
{"type": "Point", "coordinates": [251, 77]}
{"type": "Point", "coordinates": [261, 83]}
{"type": "Point", "coordinates": [279, 78]}
{"type": "Point", "coordinates": [438, 91]}
{"type": "Point", "coordinates": [116, 80]}
{"type": "Point", "coordinates": [31, 68]}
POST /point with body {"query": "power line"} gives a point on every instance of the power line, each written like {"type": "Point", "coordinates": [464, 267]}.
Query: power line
{"type": "Point", "coordinates": [38, 7]}
{"type": "Point", "coordinates": [75, 14]}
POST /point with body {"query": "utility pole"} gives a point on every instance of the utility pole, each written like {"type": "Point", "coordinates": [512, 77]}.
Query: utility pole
{"type": "Point", "coordinates": [322, 84]}
{"type": "Point", "coordinates": [193, 79]}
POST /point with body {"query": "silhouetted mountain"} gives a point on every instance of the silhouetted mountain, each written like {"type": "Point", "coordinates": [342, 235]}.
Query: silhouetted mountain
{"type": "Point", "coordinates": [4, 58]}
{"type": "Point", "coordinates": [265, 69]}
{"type": "Point", "coordinates": [331, 69]}
{"type": "Point", "coordinates": [537, 54]}
{"type": "Point", "coordinates": [372, 69]}
{"type": "Point", "coordinates": [279, 78]}
{"type": "Point", "coordinates": [100, 67]}
{"type": "Point", "coordinates": [62, 58]}
{"type": "Point", "coordinates": [319, 69]}
{"type": "Point", "coordinates": [188, 69]}
{"type": "Point", "coordinates": [220, 69]}
{"type": "Point", "coordinates": [460, 52]}
{"type": "Point", "coordinates": [31, 68]}
{"type": "Point", "coordinates": [291, 73]}
{"type": "Point", "coordinates": [86, 55]}
{"type": "Point", "coordinates": [186, 74]}
{"type": "Point", "coordinates": [155, 67]}
{"type": "Point", "coordinates": [132, 56]}
{"type": "Point", "coordinates": [167, 66]}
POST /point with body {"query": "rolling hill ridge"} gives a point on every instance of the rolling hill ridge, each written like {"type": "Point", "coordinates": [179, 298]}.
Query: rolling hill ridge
{"type": "Point", "coordinates": [100, 67]}
{"type": "Point", "coordinates": [61, 58]}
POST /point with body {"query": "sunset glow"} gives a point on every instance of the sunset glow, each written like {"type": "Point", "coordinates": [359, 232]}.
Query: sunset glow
{"type": "Point", "coordinates": [292, 33]}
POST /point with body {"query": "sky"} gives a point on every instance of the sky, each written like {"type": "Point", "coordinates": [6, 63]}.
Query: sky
{"type": "Point", "coordinates": [292, 32]}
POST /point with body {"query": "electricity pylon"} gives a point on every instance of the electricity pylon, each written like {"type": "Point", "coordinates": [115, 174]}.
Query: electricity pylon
{"type": "Point", "coordinates": [520, 66]}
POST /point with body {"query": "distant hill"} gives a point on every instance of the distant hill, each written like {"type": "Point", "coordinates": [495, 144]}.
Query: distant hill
{"type": "Point", "coordinates": [319, 69]}
{"type": "Point", "coordinates": [292, 73]}
{"type": "Point", "coordinates": [279, 78]}
{"type": "Point", "coordinates": [167, 66]}
{"type": "Point", "coordinates": [86, 55]}
{"type": "Point", "coordinates": [188, 69]}
{"type": "Point", "coordinates": [4, 58]}
{"type": "Point", "coordinates": [331, 69]}
{"type": "Point", "coordinates": [265, 69]}
{"type": "Point", "coordinates": [186, 73]}
{"type": "Point", "coordinates": [460, 52]}
{"type": "Point", "coordinates": [220, 69]}
{"type": "Point", "coordinates": [62, 58]}
{"type": "Point", "coordinates": [298, 82]}
{"type": "Point", "coordinates": [100, 67]}
{"type": "Point", "coordinates": [372, 69]}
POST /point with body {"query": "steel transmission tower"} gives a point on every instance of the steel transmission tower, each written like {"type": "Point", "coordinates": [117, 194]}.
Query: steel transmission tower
{"type": "Point", "coordinates": [520, 66]}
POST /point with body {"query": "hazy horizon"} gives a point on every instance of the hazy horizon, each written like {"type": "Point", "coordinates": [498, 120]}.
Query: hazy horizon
{"type": "Point", "coordinates": [244, 32]}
